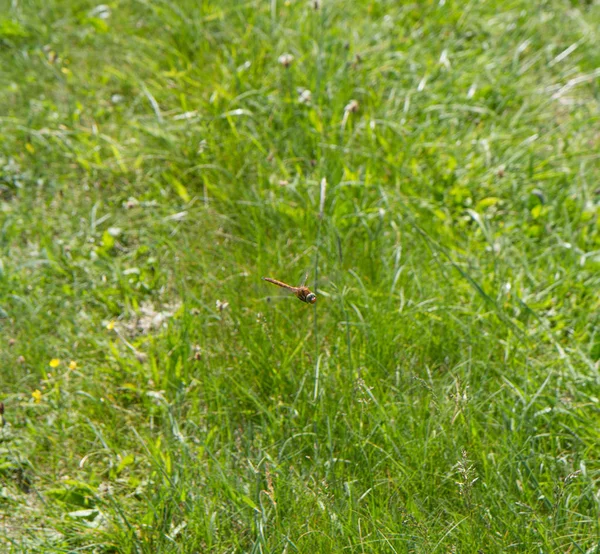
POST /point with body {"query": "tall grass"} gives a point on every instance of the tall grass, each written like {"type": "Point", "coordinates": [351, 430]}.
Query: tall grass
{"type": "Point", "coordinates": [438, 182]}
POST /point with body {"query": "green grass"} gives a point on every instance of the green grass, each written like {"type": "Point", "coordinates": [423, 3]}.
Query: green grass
{"type": "Point", "coordinates": [441, 395]}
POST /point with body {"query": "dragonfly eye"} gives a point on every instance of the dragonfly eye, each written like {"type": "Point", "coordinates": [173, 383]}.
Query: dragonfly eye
{"type": "Point", "coordinates": [311, 298]}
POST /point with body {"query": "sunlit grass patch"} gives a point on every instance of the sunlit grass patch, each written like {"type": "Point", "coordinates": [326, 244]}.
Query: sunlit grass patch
{"type": "Point", "coordinates": [432, 166]}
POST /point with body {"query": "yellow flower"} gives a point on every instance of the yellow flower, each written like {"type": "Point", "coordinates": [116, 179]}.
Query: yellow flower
{"type": "Point", "coordinates": [73, 364]}
{"type": "Point", "coordinates": [54, 362]}
{"type": "Point", "coordinates": [37, 396]}
{"type": "Point", "coordinates": [110, 325]}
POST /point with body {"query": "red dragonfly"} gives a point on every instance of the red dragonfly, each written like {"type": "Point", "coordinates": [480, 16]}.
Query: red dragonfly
{"type": "Point", "coordinates": [302, 293]}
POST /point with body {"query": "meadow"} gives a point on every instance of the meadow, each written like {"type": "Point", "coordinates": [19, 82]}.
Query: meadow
{"type": "Point", "coordinates": [432, 166]}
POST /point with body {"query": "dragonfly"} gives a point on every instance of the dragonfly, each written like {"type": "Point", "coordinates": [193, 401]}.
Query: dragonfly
{"type": "Point", "coordinates": [302, 293]}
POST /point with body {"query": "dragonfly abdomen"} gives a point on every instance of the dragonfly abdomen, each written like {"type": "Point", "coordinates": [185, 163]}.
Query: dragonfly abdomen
{"type": "Point", "coordinates": [278, 283]}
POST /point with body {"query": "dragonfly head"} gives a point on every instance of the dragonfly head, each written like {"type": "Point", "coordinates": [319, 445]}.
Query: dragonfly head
{"type": "Point", "coordinates": [311, 298]}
